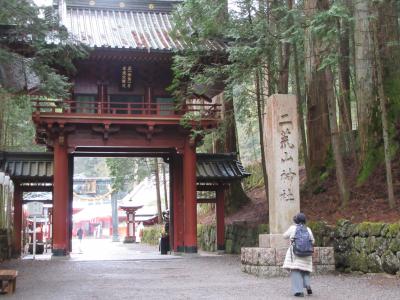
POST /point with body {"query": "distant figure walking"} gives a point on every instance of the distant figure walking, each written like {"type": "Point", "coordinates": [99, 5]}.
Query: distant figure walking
{"type": "Point", "coordinates": [79, 234]}
{"type": "Point", "coordinates": [298, 259]}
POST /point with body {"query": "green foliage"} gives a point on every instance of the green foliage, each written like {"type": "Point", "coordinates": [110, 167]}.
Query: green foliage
{"type": "Point", "coordinates": [126, 171]}
{"type": "Point", "coordinates": [256, 180]}
{"type": "Point", "coordinates": [91, 167]}
{"type": "Point", "coordinates": [16, 129]}
{"type": "Point", "coordinates": [152, 234]}
{"type": "Point", "coordinates": [374, 157]}
{"type": "Point", "coordinates": [36, 33]}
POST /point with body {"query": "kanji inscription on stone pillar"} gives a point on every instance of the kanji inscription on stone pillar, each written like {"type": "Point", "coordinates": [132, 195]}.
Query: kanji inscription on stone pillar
{"type": "Point", "coordinates": [281, 145]}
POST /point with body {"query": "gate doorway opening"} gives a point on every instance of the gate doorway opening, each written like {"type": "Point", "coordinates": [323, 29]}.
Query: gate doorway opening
{"type": "Point", "coordinates": [114, 199]}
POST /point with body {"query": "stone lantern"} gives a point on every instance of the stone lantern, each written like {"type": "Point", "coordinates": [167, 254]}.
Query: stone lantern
{"type": "Point", "coordinates": [130, 222]}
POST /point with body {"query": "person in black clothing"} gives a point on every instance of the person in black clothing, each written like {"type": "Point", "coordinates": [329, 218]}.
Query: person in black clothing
{"type": "Point", "coordinates": [79, 234]}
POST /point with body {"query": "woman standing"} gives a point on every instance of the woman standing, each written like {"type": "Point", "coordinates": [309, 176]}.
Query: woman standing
{"type": "Point", "coordinates": [300, 267]}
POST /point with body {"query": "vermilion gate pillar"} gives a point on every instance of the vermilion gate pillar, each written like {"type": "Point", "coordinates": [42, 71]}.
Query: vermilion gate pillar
{"type": "Point", "coordinates": [220, 218]}
{"type": "Point", "coordinates": [17, 220]}
{"type": "Point", "coordinates": [60, 200]}
{"type": "Point", "coordinates": [177, 207]}
{"type": "Point", "coordinates": [189, 195]}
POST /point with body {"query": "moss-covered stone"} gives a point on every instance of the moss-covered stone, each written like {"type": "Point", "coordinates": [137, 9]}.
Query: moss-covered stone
{"type": "Point", "coordinates": [344, 229]}
{"type": "Point", "coordinates": [374, 263]}
{"type": "Point", "coordinates": [393, 230]}
{"type": "Point", "coordinates": [359, 243]}
{"type": "Point", "coordinates": [370, 244]}
{"type": "Point", "coordinates": [394, 245]}
{"type": "Point", "coordinates": [390, 262]}
{"type": "Point", "coordinates": [369, 229]}
{"type": "Point", "coordinates": [358, 261]}
{"type": "Point", "coordinates": [342, 260]}
{"type": "Point", "coordinates": [343, 244]}
{"type": "Point", "coordinates": [228, 246]}
{"type": "Point", "coordinates": [382, 245]}
{"type": "Point", "coordinates": [375, 229]}
{"type": "Point", "coordinates": [385, 229]}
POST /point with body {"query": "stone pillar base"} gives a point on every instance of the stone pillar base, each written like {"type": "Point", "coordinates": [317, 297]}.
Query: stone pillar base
{"type": "Point", "coordinates": [268, 261]}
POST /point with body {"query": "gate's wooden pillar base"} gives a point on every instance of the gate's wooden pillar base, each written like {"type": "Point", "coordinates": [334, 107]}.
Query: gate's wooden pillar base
{"type": "Point", "coordinates": [17, 220]}
{"type": "Point", "coordinates": [220, 219]}
{"type": "Point", "coordinates": [60, 201]}
{"type": "Point", "coordinates": [189, 193]}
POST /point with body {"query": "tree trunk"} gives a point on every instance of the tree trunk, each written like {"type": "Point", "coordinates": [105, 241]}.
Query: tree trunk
{"type": "Point", "coordinates": [388, 35]}
{"type": "Point", "coordinates": [261, 131]}
{"type": "Point", "coordinates": [344, 86]}
{"type": "Point", "coordinates": [385, 131]}
{"type": "Point", "coordinates": [364, 70]}
{"type": "Point", "coordinates": [317, 110]}
{"type": "Point", "coordinates": [300, 103]}
{"type": "Point", "coordinates": [335, 138]}
{"type": "Point", "coordinates": [236, 196]}
{"type": "Point", "coordinates": [165, 186]}
{"type": "Point", "coordinates": [283, 81]}
{"type": "Point", "coordinates": [157, 178]}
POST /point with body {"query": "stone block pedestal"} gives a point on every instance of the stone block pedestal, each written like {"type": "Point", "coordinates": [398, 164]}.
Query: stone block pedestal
{"type": "Point", "coordinates": [268, 261]}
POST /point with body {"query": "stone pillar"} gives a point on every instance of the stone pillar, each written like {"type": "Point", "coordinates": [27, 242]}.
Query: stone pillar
{"type": "Point", "coordinates": [220, 219]}
{"type": "Point", "coordinates": [281, 138]}
{"type": "Point", "coordinates": [281, 143]}
{"type": "Point", "coordinates": [60, 201]}
{"type": "Point", "coordinates": [18, 197]}
{"type": "Point", "coordinates": [114, 217]}
{"type": "Point", "coordinates": [177, 204]}
{"type": "Point", "coordinates": [189, 194]}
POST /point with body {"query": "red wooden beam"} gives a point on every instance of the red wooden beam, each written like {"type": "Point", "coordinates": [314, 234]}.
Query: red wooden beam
{"type": "Point", "coordinates": [204, 200]}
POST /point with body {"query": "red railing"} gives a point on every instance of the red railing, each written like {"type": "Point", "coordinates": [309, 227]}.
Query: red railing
{"type": "Point", "coordinates": [198, 108]}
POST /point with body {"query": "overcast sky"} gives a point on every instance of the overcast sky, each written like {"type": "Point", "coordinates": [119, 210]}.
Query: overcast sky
{"type": "Point", "coordinates": [43, 2]}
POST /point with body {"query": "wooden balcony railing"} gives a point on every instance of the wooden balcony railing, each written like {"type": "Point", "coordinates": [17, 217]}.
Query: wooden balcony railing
{"type": "Point", "coordinates": [197, 108]}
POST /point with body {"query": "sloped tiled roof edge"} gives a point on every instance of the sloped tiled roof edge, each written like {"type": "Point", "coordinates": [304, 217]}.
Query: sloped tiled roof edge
{"type": "Point", "coordinates": [39, 166]}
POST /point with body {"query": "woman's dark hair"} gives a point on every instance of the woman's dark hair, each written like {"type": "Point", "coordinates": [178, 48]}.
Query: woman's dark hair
{"type": "Point", "coordinates": [300, 218]}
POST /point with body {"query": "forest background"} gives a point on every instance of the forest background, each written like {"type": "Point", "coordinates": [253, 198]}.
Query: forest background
{"type": "Point", "coordinates": [340, 57]}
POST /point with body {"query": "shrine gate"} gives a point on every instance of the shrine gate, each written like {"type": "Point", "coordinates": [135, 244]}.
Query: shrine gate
{"type": "Point", "coordinates": [120, 106]}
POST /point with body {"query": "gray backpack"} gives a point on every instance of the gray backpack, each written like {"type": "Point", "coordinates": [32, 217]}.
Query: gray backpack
{"type": "Point", "coordinates": [302, 243]}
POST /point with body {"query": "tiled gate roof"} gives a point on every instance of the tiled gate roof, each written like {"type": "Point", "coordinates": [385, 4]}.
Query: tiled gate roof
{"type": "Point", "coordinates": [131, 25]}
{"type": "Point", "coordinates": [39, 167]}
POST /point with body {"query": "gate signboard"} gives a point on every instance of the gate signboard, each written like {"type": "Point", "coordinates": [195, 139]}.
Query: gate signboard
{"type": "Point", "coordinates": [35, 209]}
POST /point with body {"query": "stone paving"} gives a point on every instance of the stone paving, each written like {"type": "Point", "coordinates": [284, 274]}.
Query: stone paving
{"type": "Point", "coordinates": [106, 270]}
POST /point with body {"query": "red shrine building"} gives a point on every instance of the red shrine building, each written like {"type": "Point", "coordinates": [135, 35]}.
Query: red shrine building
{"type": "Point", "coordinates": [120, 106]}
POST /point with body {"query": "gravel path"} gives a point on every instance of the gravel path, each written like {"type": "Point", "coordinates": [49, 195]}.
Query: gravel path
{"type": "Point", "coordinates": [190, 277]}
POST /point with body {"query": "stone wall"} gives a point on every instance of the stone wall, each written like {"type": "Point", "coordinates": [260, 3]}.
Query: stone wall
{"type": "Point", "coordinates": [237, 235]}
{"type": "Point", "coordinates": [4, 247]}
{"type": "Point", "coordinates": [366, 247]}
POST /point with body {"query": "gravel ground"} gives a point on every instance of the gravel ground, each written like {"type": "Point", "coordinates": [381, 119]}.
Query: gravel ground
{"type": "Point", "coordinates": [190, 277]}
